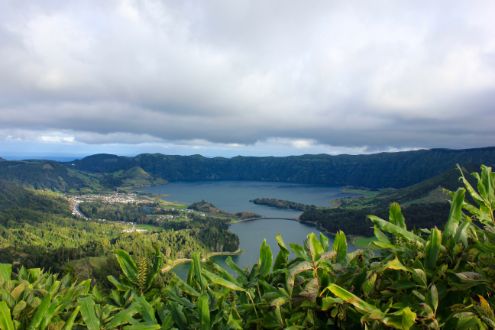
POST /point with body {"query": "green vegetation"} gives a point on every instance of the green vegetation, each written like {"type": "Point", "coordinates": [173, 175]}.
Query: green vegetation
{"type": "Point", "coordinates": [129, 179]}
{"type": "Point", "coordinates": [66, 178]}
{"type": "Point", "coordinates": [103, 172]}
{"type": "Point", "coordinates": [211, 230]}
{"type": "Point", "coordinates": [383, 170]}
{"type": "Point", "coordinates": [406, 279]}
{"type": "Point", "coordinates": [48, 175]}
{"type": "Point", "coordinates": [362, 242]}
{"type": "Point", "coordinates": [425, 202]}
{"type": "Point", "coordinates": [280, 204]}
{"type": "Point", "coordinates": [212, 210]}
{"type": "Point", "coordinates": [207, 207]}
{"type": "Point", "coordinates": [38, 230]}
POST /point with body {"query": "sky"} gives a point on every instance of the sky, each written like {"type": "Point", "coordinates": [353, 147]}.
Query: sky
{"type": "Point", "coordinates": [244, 77]}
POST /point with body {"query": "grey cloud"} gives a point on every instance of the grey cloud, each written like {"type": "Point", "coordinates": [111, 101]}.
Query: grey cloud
{"type": "Point", "coordinates": [353, 74]}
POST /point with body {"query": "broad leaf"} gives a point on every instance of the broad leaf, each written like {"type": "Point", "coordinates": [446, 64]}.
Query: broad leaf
{"type": "Point", "coordinates": [88, 313]}
{"type": "Point", "coordinates": [265, 259]}
{"type": "Point", "coordinates": [204, 311]}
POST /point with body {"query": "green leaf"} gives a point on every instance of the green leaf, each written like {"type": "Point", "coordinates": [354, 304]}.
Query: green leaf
{"type": "Point", "coordinates": [487, 192]}
{"type": "Point", "coordinates": [369, 284]}
{"type": "Point", "coordinates": [69, 324]}
{"type": "Point", "coordinates": [265, 259]}
{"type": "Point", "coordinates": [196, 271]}
{"type": "Point", "coordinates": [395, 264]}
{"type": "Point", "coordinates": [146, 310]}
{"type": "Point", "coordinates": [461, 235]}
{"type": "Point", "coordinates": [433, 248]}
{"type": "Point", "coordinates": [186, 288]}
{"type": "Point", "coordinates": [222, 282]}
{"type": "Point", "coordinates": [380, 236]}
{"type": "Point", "coordinates": [234, 323]}
{"type": "Point", "coordinates": [204, 311]}
{"type": "Point", "coordinates": [40, 314]}
{"type": "Point", "coordinates": [360, 305]}
{"type": "Point", "coordinates": [18, 309]}
{"type": "Point", "coordinates": [433, 297]}
{"type": "Point", "coordinates": [469, 187]}
{"type": "Point", "coordinates": [396, 217]}
{"type": "Point", "coordinates": [299, 251]}
{"type": "Point", "coordinates": [127, 265]}
{"type": "Point", "coordinates": [142, 326]}
{"type": "Point", "coordinates": [300, 267]}
{"type": "Point", "coordinates": [470, 277]}
{"type": "Point", "coordinates": [468, 320]}
{"type": "Point", "coordinates": [283, 255]}
{"type": "Point", "coordinates": [394, 229]}
{"type": "Point", "coordinates": [6, 322]}
{"type": "Point", "coordinates": [340, 246]}
{"type": "Point", "coordinates": [123, 317]}
{"type": "Point", "coordinates": [324, 242]}
{"type": "Point", "coordinates": [455, 214]}
{"type": "Point", "coordinates": [117, 284]}
{"type": "Point", "coordinates": [232, 265]}
{"type": "Point", "coordinates": [314, 246]}
{"type": "Point", "coordinates": [419, 277]}
{"type": "Point", "coordinates": [88, 313]}
{"type": "Point", "coordinates": [157, 263]}
{"type": "Point", "coordinates": [403, 319]}
{"type": "Point", "coordinates": [18, 290]}
{"type": "Point", "coordinates": [5, 272]}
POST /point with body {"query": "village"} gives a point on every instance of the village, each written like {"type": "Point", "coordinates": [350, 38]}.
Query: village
{"type": "Point", "coordinates": [169, 211]}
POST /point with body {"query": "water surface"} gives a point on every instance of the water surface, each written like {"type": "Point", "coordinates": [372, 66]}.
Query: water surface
{"type": "Point", "coordinates": [251, 235]}
{"type": "Point", "coordinates": [234, 196]}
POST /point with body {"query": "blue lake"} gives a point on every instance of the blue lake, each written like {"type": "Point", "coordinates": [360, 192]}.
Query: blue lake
{"type": "Point", "coordinates": [235, 196]}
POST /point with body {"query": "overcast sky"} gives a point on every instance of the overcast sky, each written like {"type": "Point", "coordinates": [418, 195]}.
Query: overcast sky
{"type": "Point", "coordinates": [253, 77]}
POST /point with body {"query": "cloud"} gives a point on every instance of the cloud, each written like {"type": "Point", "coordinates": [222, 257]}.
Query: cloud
{"type": "Point", "coordinates": [358, 75]}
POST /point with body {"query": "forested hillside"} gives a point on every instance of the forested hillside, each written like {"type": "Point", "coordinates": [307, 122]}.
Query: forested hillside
{"type": "Point", "coordinates": [425, 202]}
{"type": "Point", "coordinates": [47, 174]}
{"type": "Point", "coordinates": [53, 175]}
{"type": "Point", "coordinates": [398, 169]}
{"type": "Point", "coordinates": [109, 172]}
{"type": "Point", "coordinates": [37, 229]}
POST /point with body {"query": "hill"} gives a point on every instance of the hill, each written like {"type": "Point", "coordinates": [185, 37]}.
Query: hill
{"type": "Point", "coordinates": [37, 229]}
{"type": "Point", "coordinates": [135, 177]}
{"type": "Point", "coordinates": [425, 203]}
{"type": "Point", "coordinates": [397, 170]}
{"type": "Point", "coordinates": [63, 177]}
{"type": "Point", "coordinates": [47, 175]}
{"type": "Point", "coordinates": [110, 172]}
{"type": "Point", "coordinates": [18, 204]}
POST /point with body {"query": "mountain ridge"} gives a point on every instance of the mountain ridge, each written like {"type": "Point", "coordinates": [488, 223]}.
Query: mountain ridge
{"type": "Point", "coordinates": [109, 172]}
{"type": "Point", "coordinates": [380, 170]}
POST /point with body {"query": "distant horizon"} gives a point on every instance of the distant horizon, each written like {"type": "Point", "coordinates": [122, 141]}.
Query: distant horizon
{"type": "Point", "coordinates": [68, 158]}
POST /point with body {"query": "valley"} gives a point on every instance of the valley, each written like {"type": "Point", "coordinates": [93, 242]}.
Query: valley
{"type": "Point", "coordinates": [63, 219]}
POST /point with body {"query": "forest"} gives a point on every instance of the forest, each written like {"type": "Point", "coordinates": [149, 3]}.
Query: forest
{"type": "Point", "coordinates": [427, 202]}
{"type": "Point", "coordinates": [106, 172]}
{"type": "Point", "coordinates": [406, 279]}
{"type": "Point", "coordinates": [38, 230]}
